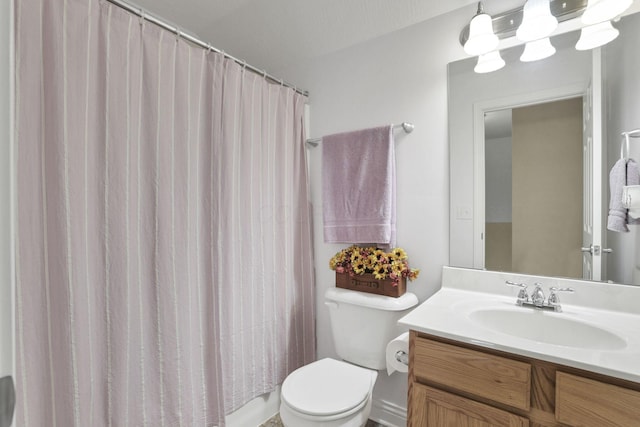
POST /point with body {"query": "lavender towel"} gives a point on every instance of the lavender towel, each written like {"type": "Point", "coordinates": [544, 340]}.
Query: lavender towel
{"type": "Point", "coordinates": [358, 187]}
{"type": "Point", "coordinates": [624, 172]}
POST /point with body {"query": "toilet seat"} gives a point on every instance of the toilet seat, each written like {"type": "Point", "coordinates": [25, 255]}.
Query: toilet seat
{"type": "Point", "coordinates": [328, 387]}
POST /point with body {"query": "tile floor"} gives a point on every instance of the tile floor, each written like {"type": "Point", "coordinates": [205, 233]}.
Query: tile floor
{"type": "Point", "coordinates": [276, 422]}
{"type": "Point", "coordinates": [273, 422]}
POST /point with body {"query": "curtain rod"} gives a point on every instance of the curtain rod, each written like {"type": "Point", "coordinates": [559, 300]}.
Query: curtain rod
{"type": "Point", "coordinates": [163, 24]}
{"type": "Point", "coordinates": [406, 126]}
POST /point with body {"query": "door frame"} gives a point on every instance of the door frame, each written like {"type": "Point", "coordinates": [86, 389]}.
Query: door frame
{"type": "Point", "coordinates": [514, 101]}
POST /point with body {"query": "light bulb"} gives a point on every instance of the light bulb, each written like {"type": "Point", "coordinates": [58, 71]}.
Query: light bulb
{"type": "Point", "coordinates": [604, 10]}
{"type": "Point", "coordinates": [537, 21]}
{"type": "Point", "coordinates": [481, 36]}
{"type": "Point", "coordinates": [537, 49]}
{"type": "Point", "coordinates": [489, 62]}
{"type": "Point", "coordinates": [596, 35]}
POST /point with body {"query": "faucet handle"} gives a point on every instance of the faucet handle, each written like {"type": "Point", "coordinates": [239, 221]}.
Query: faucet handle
{"type": "Point", "coordinates": [553, 297]}
{"type": "Point", "coordinates": [554, 300]}
{"type": "Point", "coordinates": [520, 285]}
{"type": "Point", "coordinates": [523, 296]}
{"type": "Point", "coordinates": [554, 289]}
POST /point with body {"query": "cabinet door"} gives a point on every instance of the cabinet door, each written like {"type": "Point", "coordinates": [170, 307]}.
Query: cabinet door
{"type": "Point", "coordinates": [435, 408]}
{"type": "Point", "coordinates": [477, 373]}
{"type": "Point", "coordinates": [589, 403]}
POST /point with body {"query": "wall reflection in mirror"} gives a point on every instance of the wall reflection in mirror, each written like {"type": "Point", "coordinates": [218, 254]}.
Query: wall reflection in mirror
{"type": "Point", "coordinates": [531, 146]}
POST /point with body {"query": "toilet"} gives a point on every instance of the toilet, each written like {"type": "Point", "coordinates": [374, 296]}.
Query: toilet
{"type": "Point", "coordinates": [338, 393]}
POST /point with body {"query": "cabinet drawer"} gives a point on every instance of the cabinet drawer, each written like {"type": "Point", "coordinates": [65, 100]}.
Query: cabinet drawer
{"type": "Point", "coordinates": [435, 407]}
{"type": "Point", "coordinates": [484, 375]}
{"type": "Point", "coordinates": [584, 402]}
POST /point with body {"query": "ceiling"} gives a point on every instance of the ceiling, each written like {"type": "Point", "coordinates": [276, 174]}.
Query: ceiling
{"type": "Point", "coordinates": [273, 34]}
{"type": "Point", "coordinates": [276, 34]}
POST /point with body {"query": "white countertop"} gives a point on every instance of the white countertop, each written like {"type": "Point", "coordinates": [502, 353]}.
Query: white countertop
{"type": "Point", "coordinates": [449, 314]}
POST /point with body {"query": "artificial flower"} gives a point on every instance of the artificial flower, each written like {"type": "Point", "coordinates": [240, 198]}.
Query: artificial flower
{"type": "Point", "coordinates": [371, 260]}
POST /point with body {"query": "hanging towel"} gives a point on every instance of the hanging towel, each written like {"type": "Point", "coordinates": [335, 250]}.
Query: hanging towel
{"type": "Point", "coordinates": [633, 178]}
{"type": "Point", "coordinates": [358, 187]}
{"type": "Point", "coordinates": [624, 172]}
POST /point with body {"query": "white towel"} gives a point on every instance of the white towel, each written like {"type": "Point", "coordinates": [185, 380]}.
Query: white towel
{"type": "Point", "coordinates": [358, 187]}
{"type": "Point", "coordinates": [631, 200]}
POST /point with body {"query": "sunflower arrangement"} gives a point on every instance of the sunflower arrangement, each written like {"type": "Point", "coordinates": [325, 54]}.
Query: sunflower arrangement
{"type": "Point", "coordinates": [357, 260]}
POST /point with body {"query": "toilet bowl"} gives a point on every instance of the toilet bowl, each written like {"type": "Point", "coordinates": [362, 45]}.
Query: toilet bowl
{"type": "Point", "coordinates": [338, 393]}
{"type": "Point", "coordinates": [327, 393]}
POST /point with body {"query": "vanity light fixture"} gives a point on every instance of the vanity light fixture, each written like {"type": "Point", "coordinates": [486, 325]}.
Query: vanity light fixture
{"type": "Point", "coordinates": [596, 35]}
{"type": "Point", "coordinates": [537, 21]}
{"type": "Point", "coordinates": [481, 38]}
{"type": "Point", "coordinates": [604, 10]}
{"type": "Point", "coordinates": [537, 49]}
{"type": "Point", "coordinates": [489, 62]}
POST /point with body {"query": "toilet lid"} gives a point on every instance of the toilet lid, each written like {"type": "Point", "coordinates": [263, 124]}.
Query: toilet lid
{"type": "Point", "coordinates": [327, 387]}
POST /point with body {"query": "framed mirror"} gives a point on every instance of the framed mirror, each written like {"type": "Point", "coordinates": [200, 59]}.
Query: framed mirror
{"type": "Point", "coordinates": [513, 195]}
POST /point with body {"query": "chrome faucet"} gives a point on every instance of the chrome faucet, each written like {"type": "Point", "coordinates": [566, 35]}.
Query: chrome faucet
{"type": "Point", "coordinates": [537, 298]}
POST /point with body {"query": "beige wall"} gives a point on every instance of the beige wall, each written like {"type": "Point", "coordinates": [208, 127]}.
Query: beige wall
{"type": "Point", "coordinates": [547, 189]}
{"type": "Point", "coordinates": [498, 251]}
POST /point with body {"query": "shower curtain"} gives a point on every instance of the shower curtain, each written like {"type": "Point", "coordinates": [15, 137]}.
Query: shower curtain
{"type": "Point", "coordinates": [164, 264]}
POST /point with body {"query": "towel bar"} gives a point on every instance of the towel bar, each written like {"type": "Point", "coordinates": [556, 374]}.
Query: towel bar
{"type": "Point", "coordinates": [406, 127]}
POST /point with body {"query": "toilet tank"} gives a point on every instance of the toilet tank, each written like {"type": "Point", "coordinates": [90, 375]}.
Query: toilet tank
{"type": "Point", "coordinates": [362, 324]}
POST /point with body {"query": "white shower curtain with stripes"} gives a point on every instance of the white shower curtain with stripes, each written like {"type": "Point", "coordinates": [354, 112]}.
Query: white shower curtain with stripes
{"type": "Point", "coordinates": [164, 261]}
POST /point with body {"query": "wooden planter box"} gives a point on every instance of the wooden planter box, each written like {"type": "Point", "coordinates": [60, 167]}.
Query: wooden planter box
{"type": "Point", "coordinates": [368, 283]}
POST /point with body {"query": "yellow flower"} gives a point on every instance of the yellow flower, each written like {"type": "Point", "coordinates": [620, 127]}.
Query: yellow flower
{"type": "Point", "coordinates": [380, 272]}
{"type": "Point", "coordinates": [356, 258]}
{"type": "Point", "coordinates": [397, 267]}
{"type": "Point", "coordinates": [358, 267]}
{"type": "Point", "coordinates": [399, 254]}
{"type": "Point", "coordinates": [379, 254]}
{"type": "Point", "coordinates": [370, 262]}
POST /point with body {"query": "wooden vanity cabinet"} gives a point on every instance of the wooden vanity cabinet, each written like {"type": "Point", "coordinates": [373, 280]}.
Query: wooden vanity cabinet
{"type": "Point", "coordinates": [462, 385]}
{"type": "Point", "coordinates": [583, 401]}
{"type": "Point", "coordinates": [434, 407]}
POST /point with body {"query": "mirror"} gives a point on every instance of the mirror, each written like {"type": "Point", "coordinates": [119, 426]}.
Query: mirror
{"type": "Point", "coordinates": [603, 82]}
{"type": "Point", "coordinates": [534, 188]}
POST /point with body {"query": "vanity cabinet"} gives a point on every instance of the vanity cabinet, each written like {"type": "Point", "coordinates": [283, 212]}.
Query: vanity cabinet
{"type": "Point", "coordinates": [462, 385]}
{"type": "Point", "coordinates": [434, 407]}
{"type": "Point", "coordinates": [582, 401]}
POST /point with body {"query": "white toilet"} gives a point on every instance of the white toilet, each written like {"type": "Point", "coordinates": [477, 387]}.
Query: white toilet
{"type": "Point", "coordinates": [336, 393]}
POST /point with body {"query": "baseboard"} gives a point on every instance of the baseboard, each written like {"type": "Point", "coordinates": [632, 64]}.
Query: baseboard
{"type": "Point", "coordinates": [388, 414]}
{"type": "Point", "coordinates": [257, 411]}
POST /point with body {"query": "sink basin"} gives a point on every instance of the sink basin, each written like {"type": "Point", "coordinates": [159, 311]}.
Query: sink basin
{"type": "Point", "coordinates": [547, 327]}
